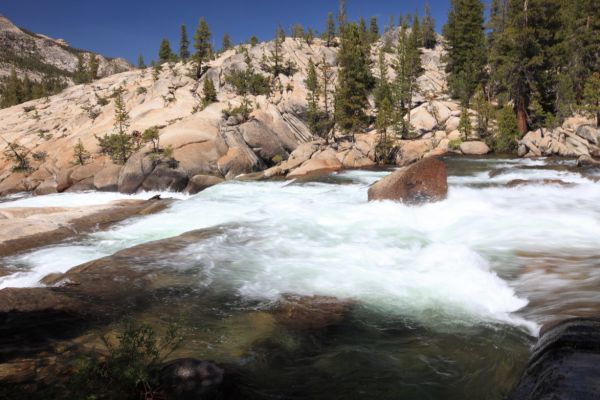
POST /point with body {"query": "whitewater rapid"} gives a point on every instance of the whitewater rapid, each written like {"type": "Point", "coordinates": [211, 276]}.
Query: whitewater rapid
{"type": "Point", "coordinates": [443, 264]}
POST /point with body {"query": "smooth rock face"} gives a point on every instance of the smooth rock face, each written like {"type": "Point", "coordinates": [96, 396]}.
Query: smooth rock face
{"type": "Point", "coordinates": [565, 364]}
{"type": "Point", "coordinates": [425, 181]}
{"type": "Point", "coordinates": [474, 148]}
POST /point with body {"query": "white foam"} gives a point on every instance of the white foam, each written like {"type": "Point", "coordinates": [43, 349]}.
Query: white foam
{"type": "Point", "coordinates": [437, 263]}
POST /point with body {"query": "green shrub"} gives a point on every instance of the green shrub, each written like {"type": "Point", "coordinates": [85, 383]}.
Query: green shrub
{"type": "Point", "coordinates": [507, 134]}
{"type": "Point", "coordinates": [40, 156]}
{"type": "Point", "coordinates": [130, 369]}
{"type": "Point", "coordinates": [18, 155]}
{"type": "Point", "coordinates": [241, 112]}
{"type": "Point", "coordinates": [454, 144]}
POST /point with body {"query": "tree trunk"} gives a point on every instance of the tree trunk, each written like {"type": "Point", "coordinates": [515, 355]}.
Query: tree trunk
{"type": "Point", "coordinates": [598, 119]}
{"type": "Point", "coordinates": [521, 116]}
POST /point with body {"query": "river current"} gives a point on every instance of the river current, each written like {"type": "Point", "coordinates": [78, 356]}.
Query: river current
{"type": "Point", "coordinates": [449, 297]}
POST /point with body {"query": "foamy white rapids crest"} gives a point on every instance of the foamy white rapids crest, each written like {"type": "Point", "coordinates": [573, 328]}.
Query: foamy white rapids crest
{"type": "Point", "coordinates": [441, 264]}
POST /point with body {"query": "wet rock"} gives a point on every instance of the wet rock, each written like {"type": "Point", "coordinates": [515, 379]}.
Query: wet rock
{"type": "Point", "coordinates": [587, 161]}
{"type": "Point", "coordinates": [424, 181]}
{"type": "Point", "coordinates": [199, 183]}
{"type": "Point", "coordinates": [523, 182]}
{"type": "Point", "coordinates": [474, 148]}
{"type": "Point", "coordinates": [189, 378]}
{"type": "Point", "coordinates": [164, 178]}
{"type": "Point", "coordinates": [315, 312]}
{"type": "Point", "coordinates": [24, 229]}
{"type": "Point", "coordinates": [565, 364]}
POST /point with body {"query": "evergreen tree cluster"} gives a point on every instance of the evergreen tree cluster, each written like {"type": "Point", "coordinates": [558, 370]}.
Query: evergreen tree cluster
{"type": "Point", "coordinates": [537, 56]}
{"type": "Point", "coordinates": [14, 90]}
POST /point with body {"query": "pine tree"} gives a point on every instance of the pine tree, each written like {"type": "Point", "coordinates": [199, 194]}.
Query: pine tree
{"type": "Point", "coordinates": [330, 30]}
{"type": "Point", "coordinates": [202, 45]}
{"type": "Point", "coordinates": [384, 149]}
{"type": "Point", "coordinates": [428, 30]}
{"type": "Point", "coordinates": [464, 125]}
{"type": "Point", "coordinates": [226, 42]}
{"type": "Point", "coordinates": [383, 89]}
{"type": "Point", "coordinates": [93, 67]}
{"type": "Point", "coordinates": [80, 154]}
{"type": "Point", "coordinates": [81, 73]}
{"type": "Point", "coordinates": [164, 53]}
{"type": "Point", "coordinates": [209, 93]}
{"type": "Point", "coordinates": [416, 29]}
{"type": "Point", "coordinates": [354, 82]}
{"type": "Point", "coordinates": [253, 40]}
{"type": "Point", "coordinates": [342, 16]}
{"type": "Point", "coordinates": [297, 31]}
{"type": "Point", "coordinates": [280, 34]}
{"type": "Point", "coordinates": [525, 59]}
{"type": "Point", "coordinates": [140, 62]}
{"type": "Point", "coordinates": [26, 89]}
{"type": "Point", "coordinates": [507, 133]}
{"type": "Point", "coordinates": [11, 92]}
{"type": "Point", "coordinates": [408, 68]}
{"type": "Point", "coordinates": [312, 86]}
{"type": "Point", "coordinates": [121, 114]}
{"type": "Point", "coordinates": [327, 75]}
{"type": "Point", "coordinates": [580, 30]}
{"type": "Point", "coordinates": [309, 37]}
{"type": "Point", "coordinates": [184, 43]}
{"type": "Point", "coordinates": [591, 96]}
{"type": "Point", "coordinates": [465, 44]}
{"type": "Point", "coordinates": [373, 30]}
{"type": "Point", "coordinates": [119, 145]}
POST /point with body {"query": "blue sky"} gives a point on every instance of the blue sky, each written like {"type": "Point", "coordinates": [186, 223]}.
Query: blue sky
{"type": "Point", "coordinates": [126, 28]}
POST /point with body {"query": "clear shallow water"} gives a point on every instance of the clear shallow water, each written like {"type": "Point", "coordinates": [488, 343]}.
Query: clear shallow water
{"type": "Point", "coordinates": [450, 295]}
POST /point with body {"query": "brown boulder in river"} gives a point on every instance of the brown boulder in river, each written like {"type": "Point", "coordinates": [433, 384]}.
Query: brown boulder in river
{"type": "Point", "coordinates": [424, 181]}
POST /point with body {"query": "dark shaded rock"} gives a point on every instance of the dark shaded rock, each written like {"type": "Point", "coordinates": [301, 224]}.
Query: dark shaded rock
{"type": "Point", "coordinates": [589, 133]}
{"type": "Point", "coordinates": [565, 364]}
{"type": "Point", "coordinates": [164, 178]}
{"type": "Point", "coordinates": [424, 181]}
{"type": "Point", "coordinates": [587, 161]}
{"type": "Point", "coordinates": [82, 186]}
{"type": "Point", "coordinates": [315, 312]}
{"type": "Point", "coordinates": [189, 378]}
{"type": "Point", "coordinates": [199, 183]}
{"type": "Point", "coordinates": [134, 172]}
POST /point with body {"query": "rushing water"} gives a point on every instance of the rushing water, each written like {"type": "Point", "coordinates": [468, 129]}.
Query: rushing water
{"type": "Point", "coordinates": [449, 296]}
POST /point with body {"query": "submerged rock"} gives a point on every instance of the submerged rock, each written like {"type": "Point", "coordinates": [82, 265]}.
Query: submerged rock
{"type": "Point", "coordinates": [565, 364]}
{"type": "Point", "coordinates": [523, 182]}
{"type": "Point", "coordinates": [314, 312]}
{"type": "Point", "coordinates": [424, 181]}
{"type": "Point", "coordinates": [189, 378]}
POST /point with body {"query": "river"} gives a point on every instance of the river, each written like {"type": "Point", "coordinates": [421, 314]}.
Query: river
{"type": "Point", "coordinates": [448, 298]}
